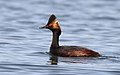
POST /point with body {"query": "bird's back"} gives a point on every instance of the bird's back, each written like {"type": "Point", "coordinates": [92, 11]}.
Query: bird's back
{"type": "Point", "coordinates": [74, 51]}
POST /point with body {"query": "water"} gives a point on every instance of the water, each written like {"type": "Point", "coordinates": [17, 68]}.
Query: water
{"type": "Point", "coordinates": [24, 48]}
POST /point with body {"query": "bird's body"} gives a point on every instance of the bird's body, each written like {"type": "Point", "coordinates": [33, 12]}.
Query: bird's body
{"type": "Point", "coordinates": [65, 51]}
{"type": "Point", "coordinates": [73, 51]}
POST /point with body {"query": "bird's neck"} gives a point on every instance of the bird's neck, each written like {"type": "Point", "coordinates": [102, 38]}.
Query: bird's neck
{"type": "Point", "coordinates": [55, 39]}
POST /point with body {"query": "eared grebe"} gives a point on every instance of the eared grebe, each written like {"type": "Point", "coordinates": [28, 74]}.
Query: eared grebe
{"type": "Point", "coordinates": [65, 51]}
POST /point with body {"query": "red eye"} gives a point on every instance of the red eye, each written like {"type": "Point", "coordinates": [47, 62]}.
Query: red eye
{"type": "Point", "coordinates": [50, 25]}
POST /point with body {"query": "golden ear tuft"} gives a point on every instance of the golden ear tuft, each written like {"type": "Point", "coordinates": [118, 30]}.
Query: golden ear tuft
{"type": "Point", "coordinates": [56, 24]}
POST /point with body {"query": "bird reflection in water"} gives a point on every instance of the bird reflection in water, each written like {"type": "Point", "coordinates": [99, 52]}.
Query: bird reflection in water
{"type": "Point", "coordinates": [54, 59]}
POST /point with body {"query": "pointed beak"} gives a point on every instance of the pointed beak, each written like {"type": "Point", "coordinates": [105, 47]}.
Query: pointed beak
{"type": "Point", "coordinates": [43, 27]}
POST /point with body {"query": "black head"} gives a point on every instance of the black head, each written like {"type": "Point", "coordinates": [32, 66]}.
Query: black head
{"type": "Point", "coordinates": [52, 23]}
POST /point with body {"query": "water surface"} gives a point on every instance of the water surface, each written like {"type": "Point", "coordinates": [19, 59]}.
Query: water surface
{"type": "Point", "coordinates": [89, 23]}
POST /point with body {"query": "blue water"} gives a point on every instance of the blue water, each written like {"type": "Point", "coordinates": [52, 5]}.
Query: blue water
{"type": "Point", "coordinates": [24, 48]}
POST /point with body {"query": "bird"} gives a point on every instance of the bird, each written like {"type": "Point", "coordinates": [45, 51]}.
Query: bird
{"type": "Point", "coordinates": [65, 51]}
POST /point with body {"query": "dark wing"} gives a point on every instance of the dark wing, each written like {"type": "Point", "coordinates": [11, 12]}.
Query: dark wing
{"type": "Point", "coordinates": [76, 51]}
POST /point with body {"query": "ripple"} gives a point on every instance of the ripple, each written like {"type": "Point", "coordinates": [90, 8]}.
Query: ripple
{"type": "Point", "coordinates": [38, 53]}
{"type": "Point", "coordinates": [3, 43]}
{"type": "Point", "coordinates": [38, 2]}
{"type": "Point", "coordinates": [15, 8]}
{"type": "Point", "coordinates": [8, 68]}
{"type": "Point", "coordinates": [108, 57]}
{"type": "Point", "coordinates": [26, 22]}
{"type": "Point", "coordinates": [9, 29]}
{"type": "Point", "coordinates": [106, 18]}
{"type": "Point", "coordinates": [16, 37]}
